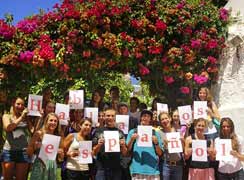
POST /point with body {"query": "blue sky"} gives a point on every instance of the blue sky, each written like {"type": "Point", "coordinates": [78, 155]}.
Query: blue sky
{"type": "Point", "coordinates": [23, 8]}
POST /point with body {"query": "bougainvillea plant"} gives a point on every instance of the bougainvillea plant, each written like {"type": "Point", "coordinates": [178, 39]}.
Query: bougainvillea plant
{"type": "Point", "coordinates": [169, 44]}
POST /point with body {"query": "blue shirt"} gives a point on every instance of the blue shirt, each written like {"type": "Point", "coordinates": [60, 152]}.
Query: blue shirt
{"type": "Point", "coordinates": [145, 160]}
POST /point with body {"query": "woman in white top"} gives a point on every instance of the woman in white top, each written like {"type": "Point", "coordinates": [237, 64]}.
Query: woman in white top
{"type": "Point", "coordinates": [76, 170]}
{"type": "Point", "coordinates": [231, 169]}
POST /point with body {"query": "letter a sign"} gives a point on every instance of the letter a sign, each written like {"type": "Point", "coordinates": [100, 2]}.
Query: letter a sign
{"type": "Point", "coordinates": [145, 136]}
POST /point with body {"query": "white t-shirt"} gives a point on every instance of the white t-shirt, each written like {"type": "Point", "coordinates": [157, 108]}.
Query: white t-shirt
{"type": "Point", "coordinates": [234, 164]}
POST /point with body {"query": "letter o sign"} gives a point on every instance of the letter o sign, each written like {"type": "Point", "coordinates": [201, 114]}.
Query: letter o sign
{"type": "Point", "coordinates": [199, 151]}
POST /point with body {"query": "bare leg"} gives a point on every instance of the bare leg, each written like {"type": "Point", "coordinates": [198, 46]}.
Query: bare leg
{"type": "Point", "coordinates": [22, 170]}
{"type": "Point", "coordinates": [8, 169]}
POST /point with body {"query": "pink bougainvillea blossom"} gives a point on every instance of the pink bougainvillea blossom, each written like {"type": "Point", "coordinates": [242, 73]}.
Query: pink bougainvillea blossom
{"type": "Point", "coordinates": [223, 14]}
{"type": "Point", "coordinates": [27, 25]}
{"type": "Point", "coordinates": [200, 79]}
{"type": "Point", "coordinates": [195, 43]}
{"type": "Point", "coordinates": [160, 25]}
{"type": "Point", "coordinates": [143, 69]}
{"type": "Point", "coordinates": [169, 79]}
{"type": "Point", "coordinates": [212, 59]}
{"type": "Point", "coordinates": [6, 31]}
{"type": "Point", "coordinates": [26, 56]}
{"type": "Point", "coordinates": [185, 90]}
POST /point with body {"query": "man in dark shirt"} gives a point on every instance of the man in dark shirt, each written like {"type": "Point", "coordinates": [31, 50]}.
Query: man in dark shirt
{"type": "Point", "coordinates": [108, 163]}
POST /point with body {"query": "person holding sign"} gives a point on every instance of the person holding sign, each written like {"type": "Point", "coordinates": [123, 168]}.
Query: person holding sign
{"type": "Point", "coordinates": [199, 169]}
{"type": "Point", "coordinates": [97, 101]}
{"type": "Point", "coordinates": [108, 163]}
{"type": "Point", "coordinates": [172, 162]}
{"type": "Point", "coordinates": [212, 112]}
{"type": "Point", "coordinates": [75, 169]}
{"type": "Point", "coordinates": [45, 170]}
{"type": "Point", "coordinates": [231, 169]}
{"type": "Point", "coordinates": [14, 157]}
{"type": "Point", "coordinates": [145, 160]}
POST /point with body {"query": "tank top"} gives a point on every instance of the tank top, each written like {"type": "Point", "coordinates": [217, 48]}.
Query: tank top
{"type": "Point", "coordinates": [18, 138]}
{"type": "Point", "coordinates": [200, 164]}
{"type": "Point", "coordinates": [73, 162]}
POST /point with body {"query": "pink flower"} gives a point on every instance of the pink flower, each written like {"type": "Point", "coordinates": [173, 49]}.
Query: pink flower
{"type": "Point", "coordinates": [6, 31]}
{"type": "Point", "coordinates": [195, 43]}
{"type": "Point", "coordinates": [138, 55]}
{"type": "Point", "coordinates": [27, 26]}
{"type": "Point", "coordinates": [200, 79]}
{"type": "Point", "coordinates": [155, 49]}
{"type": "Point", "coordinates": [223, 14]}
{"type": "Point", "coordinates": [143, 69]}
{"type": "Point", "coordinates": [47, 52]}
{"type": "Point", "coordinates": [126, 53]}
{"type": "Point", "coordinates": [26, 56]}
{"type": "Point", "coordinates": [184, 90]}
{"type": "Point", "coordinates": [212, 44]}
{"type": "Point", "coordinates": [160, 25]}
{"type": "Point", "coordinates": [212, 59]}
{"type": "Point", "coordinates": [169, 79]}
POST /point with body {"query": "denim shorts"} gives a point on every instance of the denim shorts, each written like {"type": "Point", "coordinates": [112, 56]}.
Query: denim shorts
{"type": "Point", "coordinates": [17, 156]}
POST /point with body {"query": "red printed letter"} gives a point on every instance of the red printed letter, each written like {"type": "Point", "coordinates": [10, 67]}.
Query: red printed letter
{"type": "Point", "coordinates": [111, 143]}
{"type": "Point", "coordinates": [185, 116]}
{"type": "Point", "coordinates": [35, 104]}
{"type": "Point", "coordinates": [85, 153]}
{"type": "Point", "coordinates": [223, 149]}
{"type": "Point", "coordinates": [200, 111]}
{"type": "Point", "coordinates": [49, 148]}
{"type": "Point", "coordinates": [121, 125]}
{"type": "Point", "coordinates": [77, 100]}
{"type": "Point", "coordinates": [61, 115]}
{"type": "Point", "coordinates": [199, 151]}
{"type": "Point", "coordinates": [174, 143]}
{"type": "Point", "coordinates": [144, 138]}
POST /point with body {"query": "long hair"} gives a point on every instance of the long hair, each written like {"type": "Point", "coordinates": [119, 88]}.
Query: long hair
{"type": "Point", "coordinates": [58, 128]}
{"type": "Point", "coordinates": [88, 137]}
{"type": "Point", "coordinates": [12, 108]}
{"type": "Point", "coordinates": [209, 97]}
{"type": "Point", "coordinates": [232, 135]}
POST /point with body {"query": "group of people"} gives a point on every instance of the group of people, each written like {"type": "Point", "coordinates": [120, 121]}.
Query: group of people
{"type": "Point", "coordinates": [24, 134]}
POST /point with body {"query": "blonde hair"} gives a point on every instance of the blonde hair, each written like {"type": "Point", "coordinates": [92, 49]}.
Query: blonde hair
{"type": "Point", "coordinates": [58, 128]}
{"type": "Point", "coordinates": [232, 136]}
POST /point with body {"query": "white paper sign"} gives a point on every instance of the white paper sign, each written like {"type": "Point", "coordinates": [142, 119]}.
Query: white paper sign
{"type": "Point", "coordinates": [185, 114]}
{"type": "Point", "coordinates": [174, 142]}
{"type": "Point", "coordinates": [145, 136]}
{"type": "Point", "coordinates": [123, 123]}
{"type": "Point", "coordinates": [111, 141]}
{"type": "Point", "coordinates": [223, 148]}
{"type": "Point", "coordinates": [199, 150]}
{"type": "Point", "coordinates": [92, 112]}
{"type": "Point", "coordinates": [34, 105]}
{"type": "Point", "coordinates": [85, 152]}
{"type": "Point", "coordinates": [62, 110]}
{"type": "Point", "coordinates": [162, 108]}
{"type": "Point", "coordinates": [200, 109]}
{"type": "Point", "coordinates": [49, 148]}
{"type": "Point", "coordinates": [76, 99]}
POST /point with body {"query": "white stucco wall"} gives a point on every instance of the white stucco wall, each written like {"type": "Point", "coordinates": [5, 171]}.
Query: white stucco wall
{"type": "Point", "coordinates": [229, 91]}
